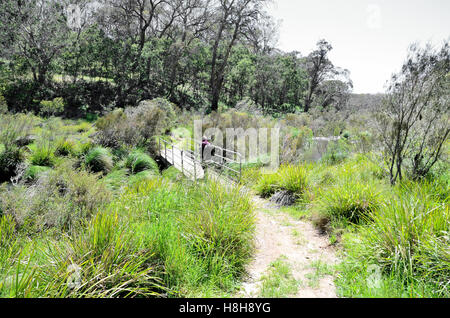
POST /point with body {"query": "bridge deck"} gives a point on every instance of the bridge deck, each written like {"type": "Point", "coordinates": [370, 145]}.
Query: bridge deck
{"type": "Point", "coordinates": [184, 162]}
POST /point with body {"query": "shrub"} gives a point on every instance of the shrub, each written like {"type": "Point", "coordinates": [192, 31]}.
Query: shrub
{"type": "Point", "coordinates": [10, 159]}
{"type": "Point", "coordinates": [99, 159]}
{"type": "Point", "coordinates": [62, 198]}
{"type": "Point", "coordinates": [53, 107]}
{"type": "Point", "coordinates": [138, 161]}
{"type": "Point", "coordinates": [336, 152]}
{"type": "Point", "coordinates": [136, 127]}
{"type": "Point", "coordinates": [294, 142]}
{"type": "Point", "coordinates": [3, 105]}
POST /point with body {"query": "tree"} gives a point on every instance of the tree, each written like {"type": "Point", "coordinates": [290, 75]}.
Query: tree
{"type": "Point", "coordinates": [39, 29]}
{"type": "Point", "coordinates": [232, 17]}
{"type": "Point", "coordinates": [414, 119]}
{"type": "Point", "coordinates": [319, 69]}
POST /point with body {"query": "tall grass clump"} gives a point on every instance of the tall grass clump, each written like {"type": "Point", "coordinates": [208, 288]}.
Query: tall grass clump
{"type": "Point", "coordinates": [43, 155]}
{"type": "Point", "coordinates": [99, 159]}
{"type": "Point", "coordinates": [14, 131]}
{"type": "Point", "coordinates": [201, 236]}
{"type": "Point", "coordinates": [105, 261]}
{"type": "Point", "coordinates": [349, 200]}
{"type": "Point", "coordinates": [221, 226]}
{"type": "Point", "coordinates": [62, 198]}
{"type": "Point", "coordinates": [138, 161]}
{"type": "Point", "coordinates": [409, 236]}
{"type": "Point", "coordinates": [66, 147]}
{"type": "Point", "coordinates": [292, 179]}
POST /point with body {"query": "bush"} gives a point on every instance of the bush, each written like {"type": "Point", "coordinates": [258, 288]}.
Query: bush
{"type": "Point", "coordinates": [3, 105]}
{"type": "Point", "coordinates": [52, 108]}
{"type": "Point", "coordinates": [136, 127]}
{"type": "Point", "coordinates": [99, 159]}
{"type": "Point", "coordinates": [336, 152]}
{"type": "Point", "coordinates": [138, 161]}
{"type": "Point", "coordinates": [10, 159]}
{"type": "Point", "coordinates": [62, 198]}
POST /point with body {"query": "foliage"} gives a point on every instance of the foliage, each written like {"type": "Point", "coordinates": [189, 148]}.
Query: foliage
{"type": "Point", "coordinates": [43, 155]}
{"type": "Point", "coordinates": [138, 161]}
{"type": "Point", "coordinates": [413, 123]}
{"type": "Point", "coordinates": [62, 198]}
{"type": "Point", "coordinates": [52, 108]}
{"type": "Point", "coordinates": [350, 200]}
{"type": "Point", "coordinates": [3, 105]}
{"type": "Point", "coordinates": [99, 159]}
{"type": "Point", "coordinates": [288, 178]}
{"type": "Point", "coordinates": [137, 126]}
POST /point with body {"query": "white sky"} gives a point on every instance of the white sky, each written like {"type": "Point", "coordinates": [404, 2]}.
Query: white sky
{"type": "Point", "coordinates": [370, 38]}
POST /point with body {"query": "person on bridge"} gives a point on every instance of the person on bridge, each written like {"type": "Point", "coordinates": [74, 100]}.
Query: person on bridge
{"type": "Point", "coordinates": [207, 149]}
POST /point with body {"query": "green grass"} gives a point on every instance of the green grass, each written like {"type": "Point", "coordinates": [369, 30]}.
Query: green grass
{"type": "Point", "coordinates": [349, 200]}
{"type": "Point", "coordinates": [43, 155]}
{"type": "Point", "coordinates": [289, 178]}
{"type": "Point", "coordinates": [138, 161]}
{"type": "Point", "coordinates": [320, 270]}
{"type": "Point", "coordinates": [99, 159]}
{"type": "Point", "coordinates": [154, 238]}
{"type": "Point", "coordinates": [279, 282]}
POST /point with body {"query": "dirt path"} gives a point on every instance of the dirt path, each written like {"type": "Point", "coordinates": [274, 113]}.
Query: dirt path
{"type": "Point", "coordinates": [279, 235]}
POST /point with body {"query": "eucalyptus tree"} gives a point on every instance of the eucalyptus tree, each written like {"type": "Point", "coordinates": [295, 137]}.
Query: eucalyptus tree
{"type": "Point", "coordinates": [320, 70]}
{"type": "Point", "coordinates": [414, 119]}
{"type": "Point", "coordinates": [232, 18]}
{"type": "Point", "coordinates": [34, 31]}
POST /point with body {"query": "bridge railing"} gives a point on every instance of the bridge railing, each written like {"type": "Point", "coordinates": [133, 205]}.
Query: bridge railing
{"type": "Point", "coordinates": [188, 162]}
{"type": "Point", "coordinates": [227, 161]}
{"type": "Point", "coordinates": [223, 160]}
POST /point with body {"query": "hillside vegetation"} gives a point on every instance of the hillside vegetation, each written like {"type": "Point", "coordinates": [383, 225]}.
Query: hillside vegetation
{"type": "Point", "coordinates": [89, 209]}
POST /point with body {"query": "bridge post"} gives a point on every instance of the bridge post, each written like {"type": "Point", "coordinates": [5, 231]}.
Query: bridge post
{"type": "Point", "coordinates": [195, 171]}
{"type": "Point", "coordinates": [240, 168]}
{"type": "Point", "coordinates": [182, 162]}
{"type": "Point", "coordinates": [173, 156]}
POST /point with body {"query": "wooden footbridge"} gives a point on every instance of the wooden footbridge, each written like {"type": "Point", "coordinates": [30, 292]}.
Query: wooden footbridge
{"type": "Point", "coordinates": [193, 164]}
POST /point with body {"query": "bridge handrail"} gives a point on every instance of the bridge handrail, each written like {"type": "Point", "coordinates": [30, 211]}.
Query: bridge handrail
{"type": "Point", "coordinates": [195, 157]}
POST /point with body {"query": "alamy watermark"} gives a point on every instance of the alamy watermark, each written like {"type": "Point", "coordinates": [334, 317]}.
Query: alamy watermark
{"type": "Point", "coordinates": [374, 19]}
{"type": "Point", "coordinates": [374, 277]}
{"type": "Point", "coordinates": [73, 12]}
{"type": "Point", "coordinates": [252, 144]}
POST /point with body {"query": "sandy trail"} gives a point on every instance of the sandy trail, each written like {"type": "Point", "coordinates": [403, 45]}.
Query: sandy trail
{"type": "Point", "coordinates": [278, 234]}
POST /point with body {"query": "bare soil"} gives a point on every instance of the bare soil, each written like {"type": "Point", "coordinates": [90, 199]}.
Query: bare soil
{"type": "Point", "coordinates": [278, 234]}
